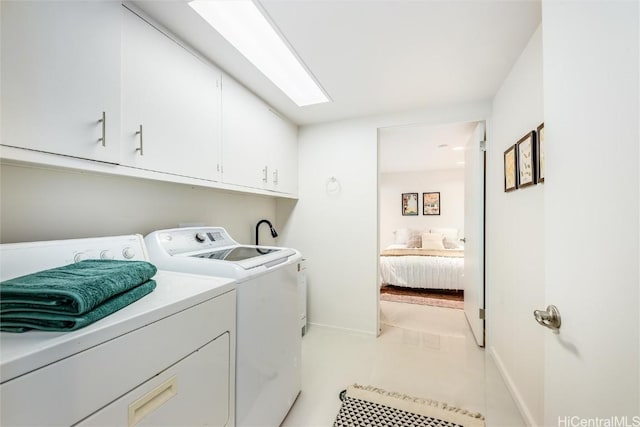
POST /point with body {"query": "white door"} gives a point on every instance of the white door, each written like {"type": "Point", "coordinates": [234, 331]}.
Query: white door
{"type": "Point", "coordinates": [60, 73]}
{"type": "Point", "coordinates": [474, 232]}
{"type": "Point", "coordinates": [175, 97]}
{"type": "Point", "coordinates": [284, 155]}
{"type": "Point", "coordinates": [245, 146]}
{"type": "Point", "coordinates": [591, 93]}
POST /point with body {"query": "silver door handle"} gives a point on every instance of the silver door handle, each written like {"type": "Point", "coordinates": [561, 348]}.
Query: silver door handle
{"type": "Point", "coordinates": [141, 147]}
{"type": "Point", "coordinates": [549, 318]}
{"type": "Point", "coordinates": [265, 175]}
{"type": "Point", "coordinates": [275, 177]}
{"type": "Point", "coordinates": [463, 240]}
{"type": "Point", "coordinates": [103, 121]}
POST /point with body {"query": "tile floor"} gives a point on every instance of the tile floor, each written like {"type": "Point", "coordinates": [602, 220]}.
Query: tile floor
{"type": "Point", "coordinates": [422, 351]}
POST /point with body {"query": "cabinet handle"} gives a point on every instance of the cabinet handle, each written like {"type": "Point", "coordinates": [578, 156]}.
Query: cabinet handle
{"type": "Point", "coordinates": [103, 120]}
{"type": "Point", "coordinates": [141, 147]}
{"type": "Point", "coordinates": [265, 175]}
{"type": "Point", "coordinates": [275, 177]}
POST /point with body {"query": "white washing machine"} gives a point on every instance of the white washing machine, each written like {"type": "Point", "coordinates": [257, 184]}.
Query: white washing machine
{"type": "Point", "coordinates": [268, 366]}
{"type": "Point", "coordinates": [166, 359]}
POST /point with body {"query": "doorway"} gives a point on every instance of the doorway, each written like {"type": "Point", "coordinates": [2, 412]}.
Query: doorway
{"type": "Point", "coordinates": [423, 186]}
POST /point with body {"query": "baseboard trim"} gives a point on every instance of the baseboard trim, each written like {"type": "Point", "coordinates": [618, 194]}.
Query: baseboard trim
{"type": "Point", "coordinates": [517, 397]}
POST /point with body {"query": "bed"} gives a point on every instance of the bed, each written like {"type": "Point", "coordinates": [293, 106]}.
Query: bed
{"type": "Point", "coordinates": [430, 266]}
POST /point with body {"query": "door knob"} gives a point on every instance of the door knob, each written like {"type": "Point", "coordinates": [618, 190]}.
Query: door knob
{"type": "Point", "coordinates": [549, 318]}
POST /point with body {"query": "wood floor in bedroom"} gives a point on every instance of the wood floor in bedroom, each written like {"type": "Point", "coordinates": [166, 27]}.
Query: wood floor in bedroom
{"type": "Point", "coordinates": [422, 351]}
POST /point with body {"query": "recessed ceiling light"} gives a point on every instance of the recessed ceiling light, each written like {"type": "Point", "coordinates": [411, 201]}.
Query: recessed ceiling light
{"type": "Point", "coordinates": [459, 148]}
{"type": "Point", "coordinates": [242, 24]}
{"type": "Point", "coordinates": [443, 145]}
{"type": "Point", "coordinates": [460, 163]}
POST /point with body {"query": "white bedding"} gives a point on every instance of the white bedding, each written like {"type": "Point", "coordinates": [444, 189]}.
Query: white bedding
{"type": "Point", "coordinates": [429, 272]}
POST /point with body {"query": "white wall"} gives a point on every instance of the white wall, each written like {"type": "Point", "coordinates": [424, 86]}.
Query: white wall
{"type": "Point", "coordinates": [514, 239]}
{"type": "Point", "coordinates": [44, 204]}
{"type": "Point", "coordinates": [450, 184]}
{"type": "Point", "coordinates": [338, 233]}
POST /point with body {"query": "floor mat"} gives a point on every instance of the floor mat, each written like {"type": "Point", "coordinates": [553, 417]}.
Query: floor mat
{"type": "Point", "coordinates": [370, 406]}
{"type": "Point", "coordinates": [437, 298]}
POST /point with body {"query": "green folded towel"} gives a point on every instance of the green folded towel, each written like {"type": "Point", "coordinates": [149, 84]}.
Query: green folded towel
{"type": "Point", "coordinates": [72, 289]}
{"type": "Point", "coordinates": [21, 321]}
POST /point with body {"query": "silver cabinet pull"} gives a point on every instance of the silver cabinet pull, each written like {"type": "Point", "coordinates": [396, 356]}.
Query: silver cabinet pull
{"type": "Point", "coordinates": [140, 149]}
{"type": "Point", "coordinates": [265, 175]}
{"type": "Point", "coordinates": [103, 120]}
{"type": "Point", "coordinates": [549, 318]}
{"type": "Point", "coordinates": [275, 177]}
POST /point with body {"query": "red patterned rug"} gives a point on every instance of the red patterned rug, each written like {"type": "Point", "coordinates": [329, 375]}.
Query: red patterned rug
{"type": "Point", "coordinates": [434, 297]}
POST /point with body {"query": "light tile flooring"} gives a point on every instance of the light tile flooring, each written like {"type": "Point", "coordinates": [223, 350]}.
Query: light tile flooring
{"type": "Point", "coordinates": [422, 351]}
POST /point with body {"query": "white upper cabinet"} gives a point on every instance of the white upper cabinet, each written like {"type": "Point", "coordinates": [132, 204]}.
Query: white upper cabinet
{"type": "Point", "coordinates": [60, 71]}
{"type": "Point", "coordinates": [283, 143]}
{"type": "Point", "coordinates": [170, 105]}
{"type": "Point", "coordinates": [259, 147]}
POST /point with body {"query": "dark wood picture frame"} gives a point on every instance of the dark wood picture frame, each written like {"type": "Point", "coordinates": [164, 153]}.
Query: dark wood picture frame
{"type": "Point", "coordinates": [510, 169]}
{"type": "Point", "coordinates": [407, 206]}
{"type": "Point", "coordinates": [431, 206]}
{"type": "Point", "coordinates": [540, 153]}
{"type": "Point", "coordinates": [526, 154]}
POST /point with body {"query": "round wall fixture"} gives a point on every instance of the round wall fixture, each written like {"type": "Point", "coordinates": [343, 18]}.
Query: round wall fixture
{"type": "Point", "coordinates": [333, 186]}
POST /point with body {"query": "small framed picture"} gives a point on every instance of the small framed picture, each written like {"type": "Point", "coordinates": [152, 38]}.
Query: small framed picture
{"type": "Point", "coordinates": [510, 169]}
{"type": "Point", "coordinates": [526, 154]}
{"type": "Point", "coordinates": [540, 153]}
{"type": "Point", "coordinates": [431, 203]}
{"type": "Point", "coordinates": [409, 203]}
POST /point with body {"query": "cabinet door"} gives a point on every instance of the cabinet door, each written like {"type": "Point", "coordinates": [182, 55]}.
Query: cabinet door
{"type": "Point", "coordinates": [60, 71]}
{"type": "Point", "coordinates": [175, 97]}
{"type": "Point", "coordinates": [259, 146]}
{"type": "Point", "coordinates": [284, 155]}
{"type": "Point", "coordinates": [245, 151]}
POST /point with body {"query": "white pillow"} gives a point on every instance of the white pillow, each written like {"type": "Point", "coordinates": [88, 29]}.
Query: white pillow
{"type": "Point", "coordinates": [401, 236]}
{"type": "Point", "coordinates": [451, 233]}
{"type": "Point", "coordinates": [432, 241]}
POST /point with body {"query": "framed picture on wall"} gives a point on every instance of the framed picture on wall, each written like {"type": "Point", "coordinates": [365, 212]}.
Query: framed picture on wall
{"type": "Point", "coordinates": [409, 203]}
{"type": "Point", "coordinates": [510, 169]}
{"type": "Point", "coordinates": [431, 203]}
{"type": "Point", "coordinates": [540, 153]}
{"type": "Point", "coordinates": [526, 154]}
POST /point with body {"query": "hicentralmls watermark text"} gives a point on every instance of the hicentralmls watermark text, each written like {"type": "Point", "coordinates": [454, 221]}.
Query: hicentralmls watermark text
{"type": "Point", "coordinates": [575, 421]}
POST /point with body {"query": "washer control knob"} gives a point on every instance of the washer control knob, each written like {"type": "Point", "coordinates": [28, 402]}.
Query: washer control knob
{"type": "Point", "coordinates": [200, 237]}
{"type": "Point", "coordinates": [80, 256]}
{"type": "Point", "coordinates": [107, 254]}
{"type": "Point", "coordinates": [128, 253]}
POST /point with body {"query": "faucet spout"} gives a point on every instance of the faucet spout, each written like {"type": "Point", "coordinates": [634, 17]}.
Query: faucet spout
{"type": "Point", "coordinates": [273, 231]}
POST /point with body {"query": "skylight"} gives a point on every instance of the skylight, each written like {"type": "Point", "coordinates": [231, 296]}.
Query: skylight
{"type": "Point", "coordinates": [242, 24]}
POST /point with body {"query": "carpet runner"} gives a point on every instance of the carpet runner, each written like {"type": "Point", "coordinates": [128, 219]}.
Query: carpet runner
{"type": "Point", "coordinates": [433, 297]}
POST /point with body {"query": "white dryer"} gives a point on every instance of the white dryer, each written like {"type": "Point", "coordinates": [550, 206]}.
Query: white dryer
{"type": "Point", "coordinates": [166, 359]}
{"type": "Point", "coordinates": [268, 366]}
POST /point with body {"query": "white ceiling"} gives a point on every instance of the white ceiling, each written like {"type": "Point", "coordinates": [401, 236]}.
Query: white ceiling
{"type": "Point", "coordinates": [375, 56]}
{"type": "Point", "coordinates": [416, 148]}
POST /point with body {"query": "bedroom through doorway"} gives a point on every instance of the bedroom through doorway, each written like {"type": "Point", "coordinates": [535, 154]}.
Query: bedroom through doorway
{"type": "Point", "coordinates": [421, 188]}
